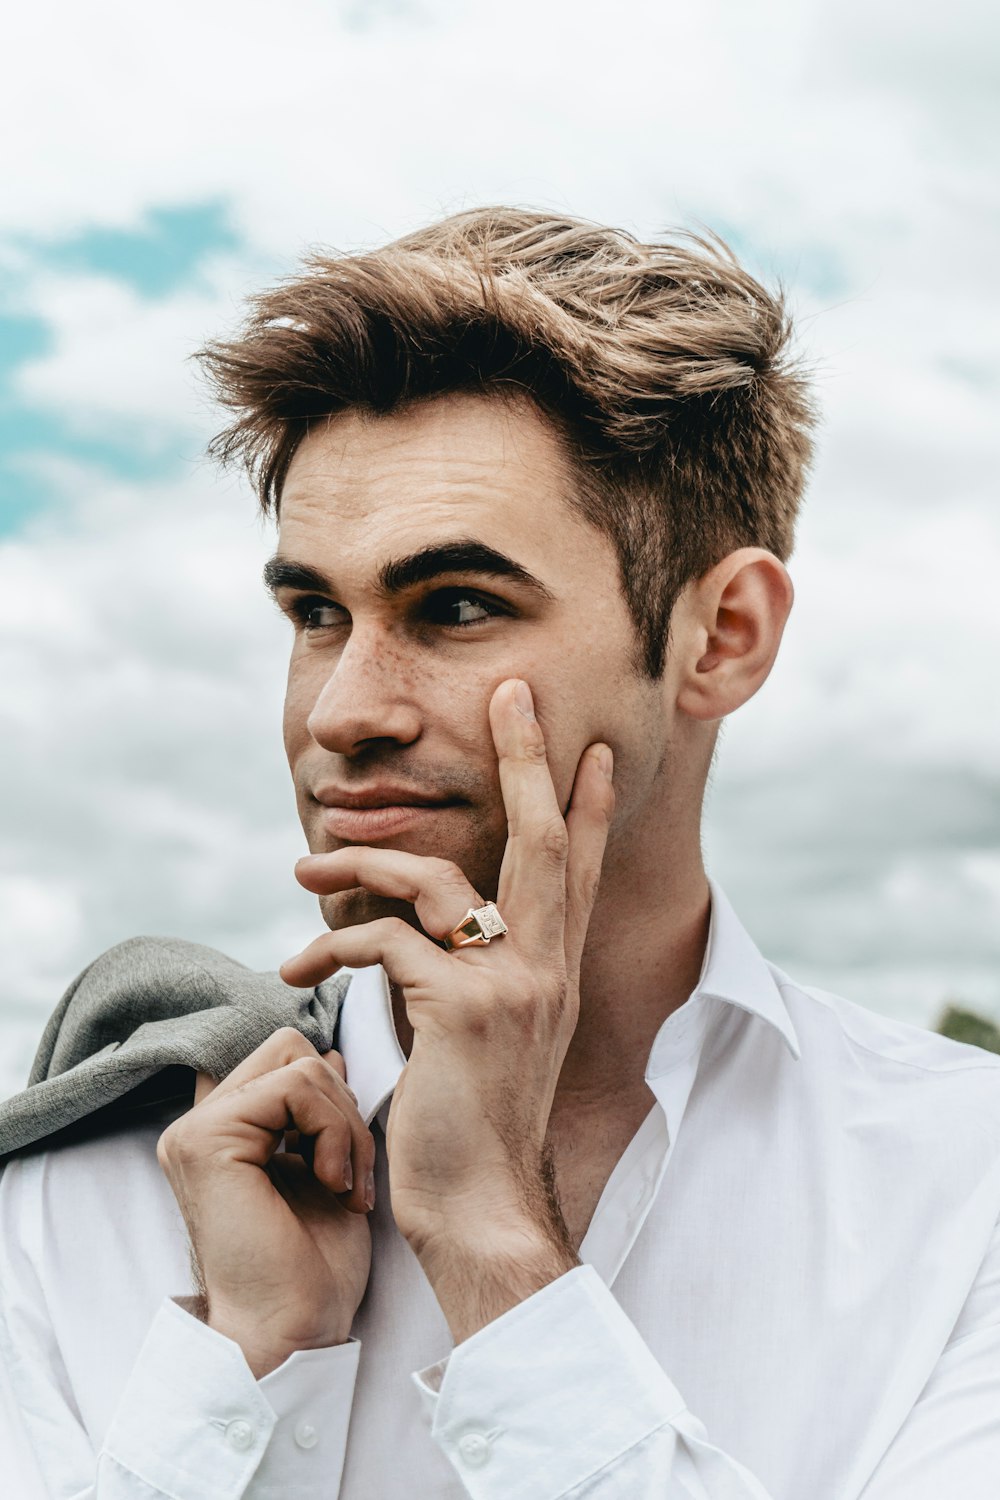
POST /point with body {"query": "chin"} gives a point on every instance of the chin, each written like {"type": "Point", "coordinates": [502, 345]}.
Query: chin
{"type": "Point", "coordinates": [354, 908]}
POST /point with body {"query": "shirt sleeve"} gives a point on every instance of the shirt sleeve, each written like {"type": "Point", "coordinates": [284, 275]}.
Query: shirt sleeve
{"type": "Point", "coordinates": [194, 1424]}
{"type": "Point", "coordinates": [950, 1442]}
{"type": "Point", "coordinates": [561, 1399]}
{"type": "Point", "coordinates": [191, 1423]}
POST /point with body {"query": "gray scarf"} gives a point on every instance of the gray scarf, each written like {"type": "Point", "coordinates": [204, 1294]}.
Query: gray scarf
{"type": "Point", "coordinates": [133, 1028]}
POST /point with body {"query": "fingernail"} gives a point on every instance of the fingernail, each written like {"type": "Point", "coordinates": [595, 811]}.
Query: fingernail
{"type": "Point", "coordinates": [606, 761]}
{"type": "Point", "coordinates": [523, 700]}
{"type": "Point", "coordinates": [348, 1174]}
{"type": "Point", "coordinates": [370, 1191]}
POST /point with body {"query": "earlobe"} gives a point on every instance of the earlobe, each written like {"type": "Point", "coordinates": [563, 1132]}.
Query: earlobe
{"type": "Point", "coordinates": [736, 615]}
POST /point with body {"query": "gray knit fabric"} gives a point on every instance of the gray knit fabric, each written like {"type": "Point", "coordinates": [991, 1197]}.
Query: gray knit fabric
{"type": "Point", "coordinates": [135, 1025]}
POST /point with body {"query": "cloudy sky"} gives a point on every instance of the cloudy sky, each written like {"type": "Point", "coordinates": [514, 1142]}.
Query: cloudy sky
{"type": "Point", "coordinates": [159, 166]}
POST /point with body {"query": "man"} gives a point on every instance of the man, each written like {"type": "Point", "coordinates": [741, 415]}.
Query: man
{"type": "Point", "coordinates": [589, 1200]}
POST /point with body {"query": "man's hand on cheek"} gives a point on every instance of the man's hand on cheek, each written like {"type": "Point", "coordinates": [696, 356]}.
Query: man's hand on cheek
{"type": "Point", "coordinates": [470, 1181]}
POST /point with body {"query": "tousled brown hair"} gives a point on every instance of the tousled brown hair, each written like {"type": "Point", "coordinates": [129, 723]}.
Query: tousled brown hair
{"type": "Point", "coordinates": [665, 368]}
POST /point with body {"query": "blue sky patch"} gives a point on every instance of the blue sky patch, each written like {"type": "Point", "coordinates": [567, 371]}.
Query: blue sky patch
{"type": "Point", "coordinates": [154, 259]}
{"type": "Point", "coordinates": [21, 339]}
{"type": "Point", "coordinates": [163, 254]}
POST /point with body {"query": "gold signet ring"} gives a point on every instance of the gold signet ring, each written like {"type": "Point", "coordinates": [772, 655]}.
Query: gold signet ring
{"type": "Point", "coordinates": [479, 925]}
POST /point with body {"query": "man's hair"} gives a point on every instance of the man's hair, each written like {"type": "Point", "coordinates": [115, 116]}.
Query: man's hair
{"type": "Point", "coordinates": [664, 367]}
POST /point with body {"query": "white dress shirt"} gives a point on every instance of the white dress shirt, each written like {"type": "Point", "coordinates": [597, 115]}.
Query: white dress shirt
{"type": "Point", "coordinates": [790, 1289]}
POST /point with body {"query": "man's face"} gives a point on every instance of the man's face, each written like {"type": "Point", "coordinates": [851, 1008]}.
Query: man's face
{"type": "Point", "coordinates": [447, 559]}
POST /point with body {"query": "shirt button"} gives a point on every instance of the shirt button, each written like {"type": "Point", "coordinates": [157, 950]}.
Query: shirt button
{"type": "Point", "coordinates": [306, 1435]}
{"type": "Point", "coordinates": [240, 1435]}
{"type": "Point", "coordinates": [474, 1448]}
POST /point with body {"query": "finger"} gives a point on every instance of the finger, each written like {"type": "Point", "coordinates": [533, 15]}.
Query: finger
{"type": "Point", "coordinates": [532, 891]}
{"type": "Point", "coordinates": [410, 959]}
{"type": "Point", "coordinates": [295, 1144]}
{"type": "Point", "coordinates": [283, 1046]}
{"type": "Point", "coordinates": [437, 888]}
{"type": "Point", "coordinates": [339, 1066]}
{"type": "Point", "coordinates": [303, 1096]}
{"type": "Point", "coordinates": [588, 820]}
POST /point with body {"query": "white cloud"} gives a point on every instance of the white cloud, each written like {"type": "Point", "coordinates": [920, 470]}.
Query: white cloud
{"type": "Point", "coordinates": [118, 366]}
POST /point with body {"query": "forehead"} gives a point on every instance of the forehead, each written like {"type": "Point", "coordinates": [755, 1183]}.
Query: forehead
{"type": "Point", "coordinates": [466, 465]}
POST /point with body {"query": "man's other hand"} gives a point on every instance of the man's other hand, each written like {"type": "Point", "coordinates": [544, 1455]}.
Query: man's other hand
{"type": "Point", "coordinates": [280, 1239]}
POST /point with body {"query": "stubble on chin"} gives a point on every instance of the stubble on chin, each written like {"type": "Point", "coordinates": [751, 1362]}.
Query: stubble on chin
{"type": "Point", "coordinates": [479, 860]}
{"type": "Point", "coordinates": [357, 907]}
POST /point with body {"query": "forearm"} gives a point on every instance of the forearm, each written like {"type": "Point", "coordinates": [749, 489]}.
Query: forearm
{"type": "Point", "coordinates": [477, 1280]}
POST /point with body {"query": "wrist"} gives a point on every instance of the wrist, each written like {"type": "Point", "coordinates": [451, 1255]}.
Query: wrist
{"type": "Point", "coordinates": [266, 1346]}
{"type": "Point", "coordinates": [478, 1276]}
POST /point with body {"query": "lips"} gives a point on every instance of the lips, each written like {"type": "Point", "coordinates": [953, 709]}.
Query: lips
{"type": "Point", "coordinates": [367, 825]}
{"type": "Point", "coordinates": [383, 795]}
{"type": "Point", "coordinates": [369, 814]}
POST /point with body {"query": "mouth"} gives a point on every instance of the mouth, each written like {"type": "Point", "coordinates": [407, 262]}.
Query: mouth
{"type": "Point", "coordinates": [369, 824]}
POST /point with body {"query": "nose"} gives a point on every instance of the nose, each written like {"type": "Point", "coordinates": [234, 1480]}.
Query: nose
{"type": "Point", "coordinates": [366, 698]}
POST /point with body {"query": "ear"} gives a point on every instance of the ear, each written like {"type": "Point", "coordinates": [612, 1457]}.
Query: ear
{"type": "Point", "coordinates": [732, 619]}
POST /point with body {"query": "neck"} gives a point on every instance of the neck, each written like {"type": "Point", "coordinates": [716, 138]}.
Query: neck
{"type": "Point", "coordinates": [641, 962]}
{"type": "Point", "coordinates": [647, 935]}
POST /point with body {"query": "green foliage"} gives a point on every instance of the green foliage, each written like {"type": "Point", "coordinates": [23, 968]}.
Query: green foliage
{"type": "Point", "coordinates": [965, 1026]}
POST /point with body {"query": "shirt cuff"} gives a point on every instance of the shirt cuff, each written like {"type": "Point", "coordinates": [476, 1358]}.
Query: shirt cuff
{"type": "Point", "coordinates": [193, 1423]}
{"type": "Point", "coordinates": [547, 1394]}
{"type": "Point", "coordinates": [311, 1395]}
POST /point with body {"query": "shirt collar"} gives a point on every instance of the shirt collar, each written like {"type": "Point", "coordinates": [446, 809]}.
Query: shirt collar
{"type": "Point", "coordinates": [732, 972]}
{"type": "Point", "coordinates": [736, 972]}
{"type": "Point", "coordinates": [367, 1040]}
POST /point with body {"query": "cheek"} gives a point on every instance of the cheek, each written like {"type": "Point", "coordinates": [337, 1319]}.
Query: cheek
{"type": "Point", "coordinates": [593, 705]}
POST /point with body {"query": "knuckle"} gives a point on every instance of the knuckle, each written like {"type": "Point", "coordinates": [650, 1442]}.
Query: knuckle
{"type": "Point", "coordinates": [543, 989]}
{"type": "Point", "coordinates": [478, 1022]}
{"type": "Point", "coordinates": [175, 1147]}
{"type": "Point", "coordinates": [285, 1034]}
{"type": "Point", "coordinates": [533, 748]}
{"type": "Point", "coordinates": [163, 1149]}
{"type": "Point", "coordinates": [447, 872]}
{"type": "Point", "coordinates": [312, 1068]}
{"type": "Point", "coordinates": [478, 1013]}
{"type": "Point", "coordinates": [286, 1043]}
{"type": "Point", "coordinates": [554, 840]}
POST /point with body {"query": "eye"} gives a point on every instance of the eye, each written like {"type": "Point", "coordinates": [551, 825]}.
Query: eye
{"type": "Point", "coordinates": [312, 613]}
{"type": "Point", "coordinates": [456, 608]}
{"type": "Point", "coordinates": [461, 607]}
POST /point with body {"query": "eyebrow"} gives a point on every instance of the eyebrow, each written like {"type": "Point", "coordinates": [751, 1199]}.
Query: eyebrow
{"type": "Point", "coordinates": [402, 573]}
